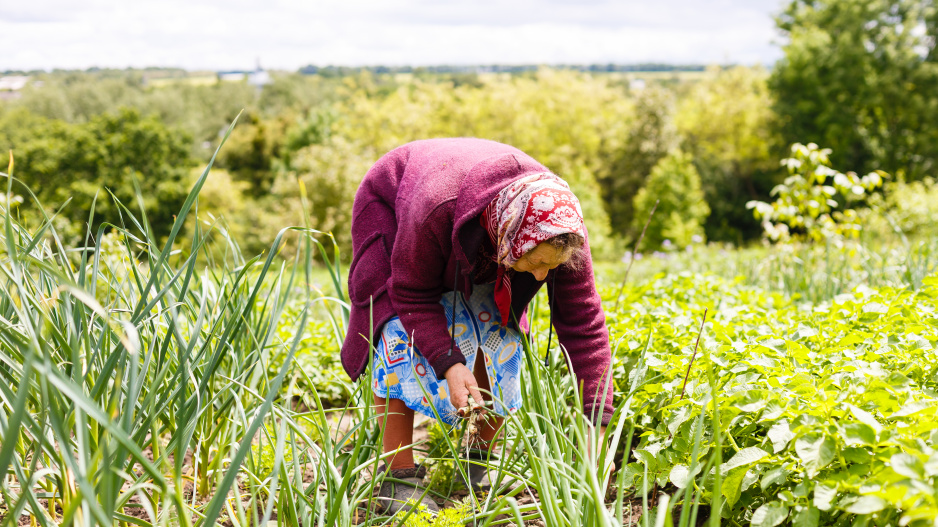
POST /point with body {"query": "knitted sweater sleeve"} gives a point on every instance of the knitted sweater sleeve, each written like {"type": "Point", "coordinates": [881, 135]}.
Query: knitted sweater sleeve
{"type": "Point", "coordinates": [581, 328]}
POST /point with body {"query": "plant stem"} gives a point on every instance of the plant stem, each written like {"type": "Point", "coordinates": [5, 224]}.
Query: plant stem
{"type": "Point", "coordinates": [692, 357]}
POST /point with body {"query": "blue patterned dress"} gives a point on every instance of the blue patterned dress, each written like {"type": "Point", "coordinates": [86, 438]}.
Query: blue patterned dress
{"type": "Point", "coordinates": [401, 372]}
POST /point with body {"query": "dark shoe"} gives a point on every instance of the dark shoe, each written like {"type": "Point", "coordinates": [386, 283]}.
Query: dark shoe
{"type": "Point", "coordinates": [401, 486]}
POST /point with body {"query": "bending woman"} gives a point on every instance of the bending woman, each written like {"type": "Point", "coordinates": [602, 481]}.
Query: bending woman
{"type": "Point", "coordinates": [458, 235]}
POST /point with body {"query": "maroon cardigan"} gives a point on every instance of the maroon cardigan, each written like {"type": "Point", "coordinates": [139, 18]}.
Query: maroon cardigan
{"type": "Point", "coordinates": [415, 217]}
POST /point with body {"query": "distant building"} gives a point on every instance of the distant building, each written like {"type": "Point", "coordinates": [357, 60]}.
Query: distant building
{"type": "Point", "coordinates": [232, 76]}
{"type": "Point", "coordinates": [257, 78]}
{"type": "Point", "coordinates": [13, 82]}
{"type": "Point", "coordinates": [11, 85]}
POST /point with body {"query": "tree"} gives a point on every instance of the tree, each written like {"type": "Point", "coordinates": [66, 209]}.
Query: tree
{"type": "Point", "coordinates": [675, 184]}
{"type": "Point", "coordinates": [650, 136]}
{"type": "Point", "coordinates": [726, 123]}
{"type": "Point", "coordinates": [804, 203]}
{"type": "Point", "coordinates": [59, 161]}
{"type": "Point", "coordinates": [251, 150]}
{"type": "Point", "coordinates": [861, 77]}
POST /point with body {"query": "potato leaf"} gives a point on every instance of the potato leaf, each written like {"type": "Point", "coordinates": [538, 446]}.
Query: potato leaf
{"type": "Point", "coordinates": [780, 434]}
{"type": "Point", "coordinates": [815, 452]}
{"type": "Point", "coordinates": [866, 418]}
{"type": "Point", "coordinates": [907, 465]}
{"type": "Point", "coordinates": [823, 496]}
{"type": "Point", "coordinates": [867, 505]}
{"type": "Point", "coordinates": [776, 476]}
{"type": "Point", "coordinates": [732, 483]}
{"type": "Point", "coordinates": [807, 517]}
{"type": "Point", "coordinates": [746, 456]}
{"type": "Point", "coordinates": [769, 515]}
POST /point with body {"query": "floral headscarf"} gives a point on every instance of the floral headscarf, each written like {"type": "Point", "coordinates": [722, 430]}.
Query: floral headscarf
{"type": "Point", "coordinates": [527, 212]}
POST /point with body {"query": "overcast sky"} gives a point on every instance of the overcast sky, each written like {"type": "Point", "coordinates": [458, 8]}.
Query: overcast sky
{"type": "Point", "coordinates": [287, 34]}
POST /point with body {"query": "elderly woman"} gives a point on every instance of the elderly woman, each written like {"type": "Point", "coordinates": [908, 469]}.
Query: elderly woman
{"type": "Point", "coordinates": [452, 239]}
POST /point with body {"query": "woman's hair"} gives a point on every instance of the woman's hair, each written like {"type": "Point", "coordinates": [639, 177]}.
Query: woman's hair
{"type": "Point", "coordinates": [571, 246]}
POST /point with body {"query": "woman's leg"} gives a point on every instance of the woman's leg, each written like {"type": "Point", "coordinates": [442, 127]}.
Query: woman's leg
{"type": "Point", "coordinates": [489, 427]}
{"type": "Point", "coordinates": [398, 427]}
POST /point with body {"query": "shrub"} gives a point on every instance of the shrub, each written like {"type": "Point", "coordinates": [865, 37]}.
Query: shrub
{"type": "Point", "coordinates": [651, 134]}
{"type": "Point", "coordinates": [675, 184]}
{"type": "Point", "coordinates": [805, 202]}
{"type": "Point", "coordinates": [912, 208]}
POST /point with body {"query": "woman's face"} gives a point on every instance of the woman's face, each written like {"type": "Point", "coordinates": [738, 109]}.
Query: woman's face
{"type": "Point", "coordinates": [539, 260]}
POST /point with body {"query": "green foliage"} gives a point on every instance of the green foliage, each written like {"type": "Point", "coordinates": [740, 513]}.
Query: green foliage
{"type": "Point", "coordinates": [103, 359]}
{"type": "Point", "coordinates": [202, 111]}
{"type": "Point", "coordinates": [441, 476]}
{"type": "Point", "coordinates": [861, 77]}
{"type": "Point", "coordinates": [815, 412]}
{"type": "Point", "coordinates": [910, 208]}
{"type": "Point", "coordinates": [828, 409]}
{"type": "Point", "coordinates": [79, 162]}
{"type": "Point", "coordinates": [292, 94]}
{"type": "Point", "coordinates": [313, 129]}
{"type": "Point", "coordinates": [725, 122]}
{"type": "Point", "coordinates": [562, 119]}
{"type": "Point", "coordinates": [252, 149]}
{"type": "Point", "coordinates": [327, 131]}
{"type": "Point", "coordinates": [456, 516]}
{"type": "Point", "coordinates": [805, 201]}
{"type": "Point", "coordinates": [264, 456]}
{"type": "Point", "coordinates": [317, 347]}
{"type": "Point", "coordinates": [330, 174]}
{"type": "Point", "coordinates": [77, 98]}
{"type": "Point", "coordinates": [651, 134]}
{"type": "Point", "coordinates": [675, 184]}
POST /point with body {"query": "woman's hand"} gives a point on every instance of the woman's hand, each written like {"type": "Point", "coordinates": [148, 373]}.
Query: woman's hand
{"type": "Point", "coordinates": [461, 385]}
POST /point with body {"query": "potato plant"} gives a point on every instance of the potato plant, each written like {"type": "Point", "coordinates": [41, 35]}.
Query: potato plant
{"type": "Point", "coordinates": [828, 410]}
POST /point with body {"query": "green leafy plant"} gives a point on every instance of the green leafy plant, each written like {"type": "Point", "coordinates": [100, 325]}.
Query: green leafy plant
{"type": "Point", "coordinates": [805, 203]}
{"type": "Point", "coordinates": [457, 516]}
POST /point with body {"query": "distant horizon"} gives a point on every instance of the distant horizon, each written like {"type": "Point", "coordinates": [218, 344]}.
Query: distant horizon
{"type": "Point", "coordinates": [597, 67]}
{"type": "Point", "coordinates": [287, 34]}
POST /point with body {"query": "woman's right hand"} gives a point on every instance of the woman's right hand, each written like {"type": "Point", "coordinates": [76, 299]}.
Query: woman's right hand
{"type": "Point", "coordinates": [461, 385]}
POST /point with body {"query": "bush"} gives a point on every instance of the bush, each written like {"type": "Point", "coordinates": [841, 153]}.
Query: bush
{"type": "Point", "coordinates": [912, 208]}
{"type": "Point", "coordinates": [682, 210]}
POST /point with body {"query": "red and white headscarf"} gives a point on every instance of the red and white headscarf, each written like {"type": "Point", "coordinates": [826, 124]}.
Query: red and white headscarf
{"type": "Point", "coordinates": [527, 212]}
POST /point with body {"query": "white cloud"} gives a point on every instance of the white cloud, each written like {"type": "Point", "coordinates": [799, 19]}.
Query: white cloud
{"type": "Point", "coordinates": [291, 33]}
